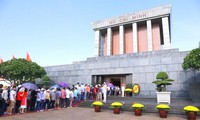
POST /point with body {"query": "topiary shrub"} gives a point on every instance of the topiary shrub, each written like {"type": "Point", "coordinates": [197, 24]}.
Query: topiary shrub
{"type": "Point", "coordinates": [162, 75]}
{"type": "Point", "coordinates": [162, 80]}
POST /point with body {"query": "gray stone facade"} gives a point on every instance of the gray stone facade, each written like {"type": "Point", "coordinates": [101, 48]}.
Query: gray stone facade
{"type": "Point", "coordinates": [141, 67]}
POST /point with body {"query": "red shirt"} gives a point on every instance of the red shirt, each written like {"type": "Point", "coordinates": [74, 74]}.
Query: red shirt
{"type": "Point", "coordinates": [19, 96]}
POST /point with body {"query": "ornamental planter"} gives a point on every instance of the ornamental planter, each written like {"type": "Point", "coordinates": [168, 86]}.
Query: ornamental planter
{"type": "Point", "coordinates": [116, 110]}
{"type": "Point", "coordinates": [163, 97]}
{"type": "Point", "coordinates": [138, 112]}
{"type": "Point", "coordinates": [191, 115]}
{"type": "Point", "coordinates": [163, 113]}
{"type": "Point", "coordinates": [97, 108]}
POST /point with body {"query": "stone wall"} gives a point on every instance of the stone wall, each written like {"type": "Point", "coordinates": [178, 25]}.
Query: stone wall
{"type": "Point", "coordinates": [143, 67]}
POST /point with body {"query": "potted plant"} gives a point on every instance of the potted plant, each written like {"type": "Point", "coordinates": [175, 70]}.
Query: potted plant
{"type": "Point", "coordinates": [191, 112]}
{"type": "Point", "coordinates": [138, 108]}
{"type": "Point", "coordinates": [128, 91]}
{"type": "Point", "coordinates": [163, 110]}
{"type": "Point", "coordinates": [97, 106]}
{"type": "Point", "coordinates": [162, 80]}
{"type": "Point", "coordinates": [116, 107]}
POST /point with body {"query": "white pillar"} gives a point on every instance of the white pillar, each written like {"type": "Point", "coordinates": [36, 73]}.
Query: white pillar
{"type": "Point", "coordinates": [135, 38]}
{"type": "Point", "coordinates": [97, 39]}
{"type": "Point", "coordinates": [149, 35]}
{"type": "Point", "coordinates": [166, 33]}
{"type": "Point", "coordinates": [121, 39]}
{"type": "Point", "coordinates": [109, 41]}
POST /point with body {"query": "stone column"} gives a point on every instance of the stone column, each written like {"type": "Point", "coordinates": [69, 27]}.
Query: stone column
{"type": "Point", "coordinates": [149, 35]}
{"type": "Point", "coordinates": [166, 33]}
{"type": "Point", "coordinates": [109, 41]}
{"type": "Point", "coordinates": [100, 80]}
{"type": "Point", "coordinates": [97, 40]}
{"type": "Point", "coordinates": [95, 80]}
{"type": "Point", "coordinates": [135, 38]}
{"type": "Point", "coordinates": [121, 39]}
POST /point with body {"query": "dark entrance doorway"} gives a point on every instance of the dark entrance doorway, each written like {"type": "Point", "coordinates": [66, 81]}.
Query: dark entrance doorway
{"type": "Point", "coordinates": [116, 81]}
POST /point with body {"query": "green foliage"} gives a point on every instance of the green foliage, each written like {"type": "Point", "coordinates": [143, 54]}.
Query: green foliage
{"type": "Point", "coordinates": [138, 106]}
{"type": "Point", "coordinates": [191, 108]}
{"type": "Point", "coordinates": [129, 85]}
{"type": "Point", "coordinates": [97, 103]}
{"type": "Point", "coordinates": [116, 104]}
{"type": "Point", "coordinates": [128, 90]}
{"type": "Point", "coordinates": [46, 81]}
{"type": "Point", "coordinates": [162, 75]}
{"type": "Point", "coordinates": [21, 70]}
{"type": "Point", "coordinates": [163, 107]}
{"type": "Point", "coordinates": [161, 81]}
{"type": "Point", "coordinates": [192, 60]}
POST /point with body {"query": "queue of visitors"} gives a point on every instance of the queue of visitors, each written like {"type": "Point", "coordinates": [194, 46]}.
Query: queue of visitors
{"type": "Point", "coordinates": [19, 99]}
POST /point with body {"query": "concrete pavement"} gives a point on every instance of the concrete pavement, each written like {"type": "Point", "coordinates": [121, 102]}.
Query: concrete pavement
{"type": "Point", "coordinates": [78, 113]}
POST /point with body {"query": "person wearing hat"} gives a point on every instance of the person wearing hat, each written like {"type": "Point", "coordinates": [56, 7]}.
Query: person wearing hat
{"type": "Point", "coordinates": [38, 100]}
{"type": "Point", "coordinates": [42, 99]}
{"type": "Point", "coordinates": [47, 99]}
{"type": "Point", "coordinates": [4, 99]}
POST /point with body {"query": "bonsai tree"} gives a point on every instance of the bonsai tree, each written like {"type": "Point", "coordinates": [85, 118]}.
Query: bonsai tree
{"type": "Point", "coordinates": [162, 80]}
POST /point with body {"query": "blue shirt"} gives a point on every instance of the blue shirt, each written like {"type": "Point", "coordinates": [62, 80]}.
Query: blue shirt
{"type": "Point", "coordinates": [75, 93]}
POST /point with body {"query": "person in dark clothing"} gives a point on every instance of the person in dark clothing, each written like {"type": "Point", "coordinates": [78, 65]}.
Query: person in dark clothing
{"type": "Point", "coordinates": [18, 100]}
{"type": "Point", "coordinates": [1, 100]}
{"type": "Point", "coordinates": [33, 99]}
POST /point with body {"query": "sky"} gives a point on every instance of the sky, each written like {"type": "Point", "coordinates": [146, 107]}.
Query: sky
{"type": "Point", "coordinates": [59, 32]}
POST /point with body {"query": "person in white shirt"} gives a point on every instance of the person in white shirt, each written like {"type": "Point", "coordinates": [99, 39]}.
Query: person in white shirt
{"type": "Point", "coordinates": [67, 97]}
{"type": "Point", "coordinates": [104, 90]}
{"type": "Point", "coordinates": [71, 98]}
{"type": "Point", "coordinates": [12, 99]}
{"type": "Point", "coordinates": [82, 91]}
{"type": "Point", "coordinates": [122, 89]}
{"type": "Point", "coordinates": [38, 100]}
{"type": "Point", "coordinates": [42, 99]}
{"type": "Point", "coordinates": [79, 93]}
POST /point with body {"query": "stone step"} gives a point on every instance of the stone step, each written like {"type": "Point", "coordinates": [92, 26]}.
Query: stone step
{"type": "Point", "coordinates": [176, 105]}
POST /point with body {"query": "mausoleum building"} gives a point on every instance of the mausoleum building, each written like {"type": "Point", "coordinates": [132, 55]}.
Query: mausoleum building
{"type": "Point", "coordinates": [130, 49]}
{"type": "Point", "coordinates": [146, 30]}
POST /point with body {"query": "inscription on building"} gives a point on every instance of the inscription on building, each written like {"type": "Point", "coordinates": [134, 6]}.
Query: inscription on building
{"type": "Point", "coordinates": [164, 10]}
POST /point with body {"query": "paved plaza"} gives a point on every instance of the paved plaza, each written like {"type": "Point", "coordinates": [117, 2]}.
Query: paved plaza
{"type": "Point", "coordinates": [78, 113]}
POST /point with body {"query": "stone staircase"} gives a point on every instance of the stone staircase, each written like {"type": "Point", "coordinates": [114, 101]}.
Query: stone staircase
{"type": "Point", "coordinates": [176, 105]}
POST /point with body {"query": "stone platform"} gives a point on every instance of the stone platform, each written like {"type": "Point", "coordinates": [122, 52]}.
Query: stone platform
{"type": "Point", "coordinates": [176, 105]}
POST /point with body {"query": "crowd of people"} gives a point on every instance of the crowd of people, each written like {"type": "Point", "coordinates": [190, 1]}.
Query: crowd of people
{"type": "Point", "coordinates": [17, 99]}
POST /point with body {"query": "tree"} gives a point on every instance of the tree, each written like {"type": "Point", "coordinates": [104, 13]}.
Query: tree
{"type": "Point", "coordinates": [46, 81]}
{"type": "Point", "coordinates": [21, 70]}
{"type": "Point", "coordinates": [162, 80]}
{"type": "Point", "coordinates": [192, 60]}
